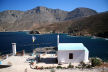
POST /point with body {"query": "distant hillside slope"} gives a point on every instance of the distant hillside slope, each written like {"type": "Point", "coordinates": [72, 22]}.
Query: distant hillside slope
{"type": "Point", "coordinates": [12, 20]}
{"type": "Point", "coordinates": [96, 25]}
{"type": "Point", "coordinates": [80, 12]}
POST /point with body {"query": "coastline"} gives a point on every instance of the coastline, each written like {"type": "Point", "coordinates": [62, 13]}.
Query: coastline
{"type": "Point", "coordinates": [28, 32]}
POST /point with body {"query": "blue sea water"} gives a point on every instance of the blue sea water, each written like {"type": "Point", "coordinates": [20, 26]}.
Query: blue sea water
{"type": "Point", "coordinates": [97, 47]}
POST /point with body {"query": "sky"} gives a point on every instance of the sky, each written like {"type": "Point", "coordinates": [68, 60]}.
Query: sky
{"type": "Point", "coordinates": [67, 5]}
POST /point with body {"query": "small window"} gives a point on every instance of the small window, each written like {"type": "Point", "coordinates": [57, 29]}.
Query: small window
{"type": "Point", "coordinates": [70, 55]}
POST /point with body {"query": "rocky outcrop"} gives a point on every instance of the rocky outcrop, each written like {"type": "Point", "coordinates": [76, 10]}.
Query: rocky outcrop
{"type": "Point", "coordinates": [34, 32]}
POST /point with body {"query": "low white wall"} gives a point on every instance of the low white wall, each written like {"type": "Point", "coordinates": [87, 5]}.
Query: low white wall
{"type": "Point", "coordinates": [78, 56]}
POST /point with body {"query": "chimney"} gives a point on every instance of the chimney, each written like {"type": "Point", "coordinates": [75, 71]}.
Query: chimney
{"type": "Point", "coordinates": [57, 39]}
{"type": "Point", "coordinates": [14, 48]}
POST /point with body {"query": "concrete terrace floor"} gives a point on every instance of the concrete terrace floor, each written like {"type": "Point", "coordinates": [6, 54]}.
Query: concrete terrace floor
{"type": "Point", "coordinates": [19, 64]}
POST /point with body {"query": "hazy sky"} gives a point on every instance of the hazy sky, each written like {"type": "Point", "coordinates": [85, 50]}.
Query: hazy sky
{"type": "Point", "coordinates": [68, 5]}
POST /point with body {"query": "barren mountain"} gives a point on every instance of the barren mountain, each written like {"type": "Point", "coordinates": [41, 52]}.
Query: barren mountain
{"type": "Point", "coordinates": [13, 20]}
{"type": "Point", "coordinates": [95, 25]}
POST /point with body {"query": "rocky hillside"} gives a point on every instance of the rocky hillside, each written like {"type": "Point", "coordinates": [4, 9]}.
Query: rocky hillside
{"type": "Point", "coordinates": [95, 25]}
{"type": "Point", "coordinates": [12, 20]}
{"type": "Point", "coordinates": [80, 12]}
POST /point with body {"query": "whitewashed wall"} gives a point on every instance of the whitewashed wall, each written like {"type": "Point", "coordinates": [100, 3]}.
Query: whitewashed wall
{"type": "Point", "coordinates": [86, 56]}
{"type": "Point", "coordinates": [78, 56]}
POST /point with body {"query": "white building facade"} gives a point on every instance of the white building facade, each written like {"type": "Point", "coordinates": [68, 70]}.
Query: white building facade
{"type": "Point", "coordinates": [72, 53]}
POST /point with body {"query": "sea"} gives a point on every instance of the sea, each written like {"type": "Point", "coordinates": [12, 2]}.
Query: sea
{"type": "Point", "coordinates": [98, 47]}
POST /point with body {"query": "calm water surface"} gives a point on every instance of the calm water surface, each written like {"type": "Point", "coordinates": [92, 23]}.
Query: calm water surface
{"type": "Point", "coordinates": [97, 47]}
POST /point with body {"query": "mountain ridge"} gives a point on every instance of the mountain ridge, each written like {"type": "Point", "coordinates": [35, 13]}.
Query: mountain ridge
{"type": "Point", "coordinates": [15, 20]}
